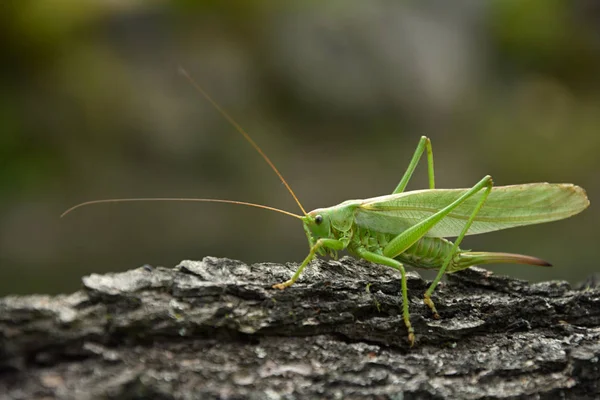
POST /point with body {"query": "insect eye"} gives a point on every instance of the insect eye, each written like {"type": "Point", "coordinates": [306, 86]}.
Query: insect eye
{"type": "Point", "coordinates": [318, 219]}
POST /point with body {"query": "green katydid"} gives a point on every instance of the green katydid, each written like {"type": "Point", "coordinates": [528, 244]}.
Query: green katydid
{"type": "Point", "coordinates": [411, 227]}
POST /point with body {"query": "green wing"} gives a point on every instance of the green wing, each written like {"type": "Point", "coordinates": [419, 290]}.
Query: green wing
{"type": "Point", "coordinates": [505, 207]}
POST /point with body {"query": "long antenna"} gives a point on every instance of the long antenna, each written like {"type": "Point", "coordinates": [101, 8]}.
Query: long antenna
{"type": "Point", "coordinates": [243, 203]}
{"type": "Point", "coordinates": [243, 132]}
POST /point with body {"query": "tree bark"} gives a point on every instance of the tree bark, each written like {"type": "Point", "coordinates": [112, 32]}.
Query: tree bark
{"type": "Point", "coordinates": [216, 329]}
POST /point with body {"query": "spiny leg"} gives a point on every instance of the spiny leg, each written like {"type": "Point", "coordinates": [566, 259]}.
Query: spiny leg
{"type": "Point", "coordinates": [410, 236]}
{"type": "Point", "coordinates": [424, 144]}
{"type": "Point", "coordinates": [390, 262]}
{"type": "Point", "coordinates": [450, 256]}
{"type": "Point", "coordinates": [330, 243]}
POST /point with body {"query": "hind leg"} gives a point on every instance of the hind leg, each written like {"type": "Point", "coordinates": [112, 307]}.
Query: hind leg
{"type": "Point", "coordinates": [450, 256]}
{"type": "Point", "coordinates": [424, 144]}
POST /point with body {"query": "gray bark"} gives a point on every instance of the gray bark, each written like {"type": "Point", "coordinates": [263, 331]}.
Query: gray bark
{"type": "Point", "coordinates": [216, 329]}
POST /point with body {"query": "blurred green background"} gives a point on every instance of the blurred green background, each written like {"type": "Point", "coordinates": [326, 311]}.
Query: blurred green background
{"type": "Point", "coordinates": [337, 93]}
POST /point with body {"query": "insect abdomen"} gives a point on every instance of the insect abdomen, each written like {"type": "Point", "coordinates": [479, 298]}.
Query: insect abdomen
{"type": "Point", "coordinates": [427, 252]}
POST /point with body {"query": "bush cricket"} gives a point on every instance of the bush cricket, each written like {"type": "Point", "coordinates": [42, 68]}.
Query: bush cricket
{"type": "Point", "coordinates": [412, 227]}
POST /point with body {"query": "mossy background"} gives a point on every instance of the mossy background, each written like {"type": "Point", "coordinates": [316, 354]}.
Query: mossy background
{"type": "Point", "coordinates": [337, 93]}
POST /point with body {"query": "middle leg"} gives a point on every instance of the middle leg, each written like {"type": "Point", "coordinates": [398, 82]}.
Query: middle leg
{"type": "Point", "coordinates": [390, 262]}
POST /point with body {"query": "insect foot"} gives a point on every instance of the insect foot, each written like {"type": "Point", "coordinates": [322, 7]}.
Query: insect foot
{"type": "Point", "coordinates": [430, 304]}
{"type": "Point", "coordinates": [283, 285]}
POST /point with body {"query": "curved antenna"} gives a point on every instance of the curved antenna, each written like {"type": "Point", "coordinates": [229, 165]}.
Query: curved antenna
{"type": "Point", "coordinates": [242, 203]}
{"type": "Point", "coordinates": [243, 132]}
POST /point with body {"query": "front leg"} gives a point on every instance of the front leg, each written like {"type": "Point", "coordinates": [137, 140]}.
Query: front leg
{"type": "Point", "coordinates": [333, 244]}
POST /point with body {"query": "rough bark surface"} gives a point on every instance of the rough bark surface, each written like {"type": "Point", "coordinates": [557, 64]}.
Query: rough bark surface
{"type": "Point", "coordinates": [216, 329]}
